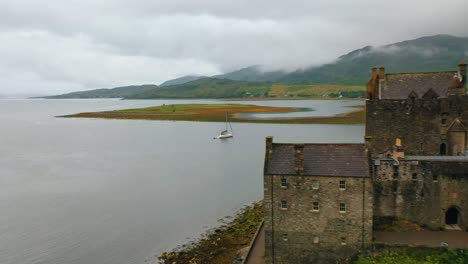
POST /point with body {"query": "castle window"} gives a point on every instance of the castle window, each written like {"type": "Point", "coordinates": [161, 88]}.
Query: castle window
{"type": "Point", "coordinates": [342, 185]}
{"type": "Point", "coordinates": [443, 149]}
{"type": "Point", "coordinates": [435, 177]}
{"type": "Point", "coordinates": [343, 241]}
{"type": "Point", "coordinates": [443, 121]}
{"type": "Point", "coordinates": [315, 206]}
{"type": "Point", "coordinates": [396, 172]}
{"type": "Point", "coordinates": [454, 177]}
{"type": "Point", "coordinates": [284, 204]}
{"type": "Point", "coordinates": [315, 185]}
{"type": "Point", "coordinates": [316, 239]}
{"type": "Point", "coordinates": [414, 177]}
{"type": "Point", "coordinates": [285, 237]}
{"type": "Point", "coordinates": [342, 208]}
{"type": "Point", "coordinates": [284, 183]}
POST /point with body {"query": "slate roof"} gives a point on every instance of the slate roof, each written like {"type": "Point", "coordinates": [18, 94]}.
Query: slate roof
{"type": "Point", "coordinates": [400, 85]}
{"type": "Point", "coordinates": [344, 160]}
{"type": "Point", "coordinates": [438, 158]}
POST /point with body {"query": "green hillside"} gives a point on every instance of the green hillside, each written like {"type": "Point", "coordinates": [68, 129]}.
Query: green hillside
{"type": "Point", "coordinates": [207, 88]}
{"type": "Point", "coordinates": [434, 53]}
{"type": "Point", "coordinates": [119, 92]}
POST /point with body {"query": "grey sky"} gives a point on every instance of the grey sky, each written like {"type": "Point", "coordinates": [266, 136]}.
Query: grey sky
{"type": "Point", "coordinates": [56, 46]}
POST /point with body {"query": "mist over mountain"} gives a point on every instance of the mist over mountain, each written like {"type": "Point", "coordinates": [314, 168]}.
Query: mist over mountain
{"type": "Point", "coordinates": [118, 92]}
{"type": "Point", "coordinates": [181, 80]}
{"type": "Point", "coordinates": [431, 53]}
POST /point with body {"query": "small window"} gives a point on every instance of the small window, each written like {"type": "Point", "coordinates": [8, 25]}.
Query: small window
{"type": "Point", "coordinates": [435, 177]}
{"type": "Point", "coordinates": [454, 177]}
{"type": "Point", "coordinates": [284, 204]}
{"type": "Point", "coordinates": [316, 239]}
{"type": "Point", "coordinates": [315, 185]}
{"type": "Point", "coordinates": [443, 121]}
{"type": "Point", "coordinates": [396, 172]}
{"type": "Point", "coordinates": [395, 189]}
{"type": "Point", "coordinates": [315, 206]}
{"type": "Point", "coordinates": [443, 149]}
{"type": "Point", "coordinates": [342, 208]}
{"type": "Point", "coordinates": [414, 177]}
{"type": "Point", "coordinates": [284, 183]}
{"type": "Point", "coordinates": [285, 237]}
{"type": "Point", "coordinates": [342, 185]}
{"type": "Point", "coordinates": [343, 241]}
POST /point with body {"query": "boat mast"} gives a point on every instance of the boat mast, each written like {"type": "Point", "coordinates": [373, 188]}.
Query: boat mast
{"type": "Point", "coordinates": [226, 122]}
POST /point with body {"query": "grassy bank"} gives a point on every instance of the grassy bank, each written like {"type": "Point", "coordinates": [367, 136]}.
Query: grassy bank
{"type": "Point", "coordinates": [220, 244]}
{"type": "Point", "coordinates": [413, 255]}
{"type": "Point", "coordinates": [216, 113]}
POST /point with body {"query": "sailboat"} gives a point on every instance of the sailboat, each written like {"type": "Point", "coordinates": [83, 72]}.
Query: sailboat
{"type": "Point", "coordinates": [226, 133]}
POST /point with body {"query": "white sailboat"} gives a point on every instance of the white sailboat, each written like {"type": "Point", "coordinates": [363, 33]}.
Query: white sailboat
{"type": "Point", "coordinates": [226, 133]}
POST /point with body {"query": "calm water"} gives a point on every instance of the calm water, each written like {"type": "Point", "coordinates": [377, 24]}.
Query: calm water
{"type": "Point", "coordinates": [120, 192]}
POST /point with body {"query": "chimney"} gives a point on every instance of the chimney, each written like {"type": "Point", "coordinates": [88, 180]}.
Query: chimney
{"type": "Point", "coordinates": [268, 151]}
{"type": "Point", "coordinates": [299, 158]}
{"type": "Point", "coordinates": [381, 73]}
{"type": "Point", "coordinates": [462, 72]}
{"type": "Point", "coordinates": [374, 73]}
{"type": "Point", "coordinates": [398, 151]}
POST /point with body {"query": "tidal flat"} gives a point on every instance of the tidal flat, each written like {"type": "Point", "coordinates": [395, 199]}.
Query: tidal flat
{"type": "Point", "coordinates": [217, 113]}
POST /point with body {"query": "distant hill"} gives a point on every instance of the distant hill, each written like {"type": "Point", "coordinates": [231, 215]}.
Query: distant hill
{"type": "Point", "coordinates": [432, 53]}
{"type": "Point", "coordinates": [207, 88]}
{"type": "Point", "coordinates": [119, 92]}
{"type": "Point", "coordinates": [252, 74]}
{"type": "Point", "coordinates": [181, 80]}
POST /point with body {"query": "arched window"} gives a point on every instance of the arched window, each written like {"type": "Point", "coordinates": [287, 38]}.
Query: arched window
{"type": "Point", "coordinates": [443, 149]}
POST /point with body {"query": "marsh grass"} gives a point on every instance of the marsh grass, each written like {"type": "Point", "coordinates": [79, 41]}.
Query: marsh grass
{"type": "Point", "coordinates": [216, 113]}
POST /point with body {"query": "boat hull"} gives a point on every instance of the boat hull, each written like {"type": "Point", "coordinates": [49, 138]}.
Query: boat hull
{"type": "Point", "coordinates": [224, 136]}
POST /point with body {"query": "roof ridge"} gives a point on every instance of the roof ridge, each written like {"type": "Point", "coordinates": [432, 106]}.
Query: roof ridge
{"type": "Point", "coordinates": [431, 72]}
{"type": "Point", "coordinates": [324, 144]}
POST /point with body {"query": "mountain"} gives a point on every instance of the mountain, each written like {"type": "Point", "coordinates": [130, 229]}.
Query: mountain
{"type": "Point", "coordinates": [181, 80]}
{"type": "Point", "coordinates": [207, 88]}
{"type": "Point", "coordinates": [433, 53]}
{"type": "Point", "coordinates": [252, 74]}
{"type": "Point", "coordinates": [119, 92]}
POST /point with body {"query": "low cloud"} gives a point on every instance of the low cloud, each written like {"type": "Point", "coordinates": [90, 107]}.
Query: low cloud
{"type": "Point", "coordinates": [55, 46]}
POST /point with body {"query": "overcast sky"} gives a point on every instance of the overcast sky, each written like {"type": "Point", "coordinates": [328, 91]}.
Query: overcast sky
{"type": "Point", "coordinates": [57, 46]}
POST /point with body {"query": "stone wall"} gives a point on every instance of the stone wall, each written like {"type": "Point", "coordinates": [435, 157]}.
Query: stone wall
{"type": "Point", "coordinates": [295, 230]}
{"type": "Point", "coordinates": [422, 124]}
{"type": "Point", "coordinates": [421, 191]}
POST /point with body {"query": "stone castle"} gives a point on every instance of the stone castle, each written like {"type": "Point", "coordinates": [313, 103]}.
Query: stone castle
{"type": "Point", "coordinates": [323, 201]}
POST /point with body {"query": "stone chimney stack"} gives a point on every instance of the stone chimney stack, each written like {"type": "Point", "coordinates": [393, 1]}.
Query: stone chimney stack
{"type": "Point", "coordinates": [381, 73]}
{"type": "Point", "coordinates": [398, 152]}
{"type": "Point", "coordinates": [462, 72]}
{"type": "Point", "coordinates": [374, 73]}
{"type": "Point", "coordinates": [299, 159]}
{"type": "Point", "coordinates": [268, 151]}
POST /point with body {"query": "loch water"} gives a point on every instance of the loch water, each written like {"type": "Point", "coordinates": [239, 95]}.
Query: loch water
{"type": "Point", "coordinates": [81, 191]}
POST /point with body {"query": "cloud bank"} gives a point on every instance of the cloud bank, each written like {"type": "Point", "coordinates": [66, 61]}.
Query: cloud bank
{"type": "Point", "coordinates": [52, 46]}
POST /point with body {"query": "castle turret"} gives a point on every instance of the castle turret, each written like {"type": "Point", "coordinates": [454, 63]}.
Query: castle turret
{"type": "Point", "coordinates": [457, 84]}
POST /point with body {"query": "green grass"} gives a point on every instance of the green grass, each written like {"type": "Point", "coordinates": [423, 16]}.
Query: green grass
{"type": "Point", "coordinates": [414, 255]}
